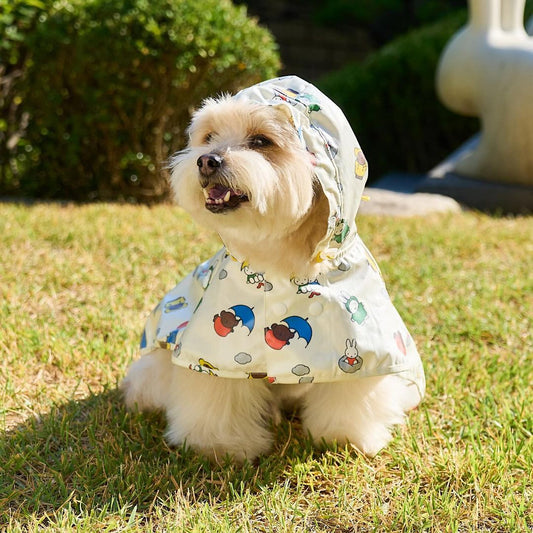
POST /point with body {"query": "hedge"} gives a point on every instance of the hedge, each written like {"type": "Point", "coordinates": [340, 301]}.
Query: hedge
{"type": "Point", "coordinates": [96, 94]}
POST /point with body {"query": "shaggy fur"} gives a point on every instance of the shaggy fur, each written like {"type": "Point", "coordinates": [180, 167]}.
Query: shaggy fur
{"type": "Point", "coordinates": [283, 210]}
{"type": "Point", "coordinates": [277, 178]}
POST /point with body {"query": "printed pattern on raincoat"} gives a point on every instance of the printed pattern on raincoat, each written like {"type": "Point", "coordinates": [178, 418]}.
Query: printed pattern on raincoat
{"type": "Point", "coordinates": [228, 320]}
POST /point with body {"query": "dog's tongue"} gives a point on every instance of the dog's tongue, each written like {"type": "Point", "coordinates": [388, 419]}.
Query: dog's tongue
{"type": "Point", "coordinates": [219, 198]}
{"type": "Point", "coordinates": [218, 191]}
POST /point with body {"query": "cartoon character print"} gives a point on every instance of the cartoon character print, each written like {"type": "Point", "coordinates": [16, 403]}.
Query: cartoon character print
{"type": "Point", "coordinates": [261, 375]}
{"type": "Point", "coordinates": [176, 305]}
{"type": "Point", "coordinates": [351, 361]}
{"type": "Point", "coordinates": [255, 278]}
{"type": "Point", "coordinates": [356, 309]}
{"type": "Point", "coordinates": [341, 230]}
{"type": "Point", "coordinates": [306, 286]}
{"type": "Point", "coordinates": [243, 358]}
{"type": "Point", "coordinates": [252, 278]}
{"type": "Point", "coordinates": [310, 101]}
{"type": "Point", "coordinates": [225, 322]}
{"type": "Point", "coordinates": [204, 367]}
{"type": "Point", "coordinates": [361, 165]}
{"type": "Point", "coordinates": [277, 336]}
{"type": "Point", "coordinates": [293, 97]}
{"type": "Point", "coordinates": [302, 371]}
{"type": "Point", "coordinates": [170, 341]}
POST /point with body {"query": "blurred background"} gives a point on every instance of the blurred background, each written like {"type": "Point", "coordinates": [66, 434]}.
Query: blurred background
{"type": "Point", "coordinates": [316, 37]}
{"type": "Point", "coordinates": [95, 95]}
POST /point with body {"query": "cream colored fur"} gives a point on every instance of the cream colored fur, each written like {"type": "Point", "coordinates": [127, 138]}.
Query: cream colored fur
{"type": "Point", "coordinates": [279, 181]}
{"type": "Point", "coordinates": [276, 230]}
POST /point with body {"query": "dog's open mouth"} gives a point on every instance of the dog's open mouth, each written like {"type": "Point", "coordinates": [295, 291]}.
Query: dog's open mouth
{"type": "Point", "coordinates": [219, 198]}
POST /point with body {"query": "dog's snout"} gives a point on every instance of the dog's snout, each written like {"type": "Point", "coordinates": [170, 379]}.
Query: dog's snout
{"type": "Point", "coordinates": [208, 164]}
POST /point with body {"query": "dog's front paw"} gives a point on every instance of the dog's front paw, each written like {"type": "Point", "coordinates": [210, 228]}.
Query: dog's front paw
{"type": "Point", "coordinates": [146, 384]}
{"type": "Point", "coordinates": [131, 389]}
{"type": "Point", "coordinates": [218, 417]}
{"type": "Point", "coordinates": [361, 413]}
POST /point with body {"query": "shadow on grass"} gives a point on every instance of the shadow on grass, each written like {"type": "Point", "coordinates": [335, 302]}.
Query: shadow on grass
{"type": "Point", "coordinates": [92, 455]}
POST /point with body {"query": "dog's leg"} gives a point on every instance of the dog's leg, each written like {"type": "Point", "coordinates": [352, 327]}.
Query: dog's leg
{"type": "Point", "coordinates": [361, 412]}
{"type": "Point", "coordinates": [212, 415]}
{"type": "Point", "coordinates": [147, 383]}
{"type": "Point", "coordinates": [218, 416]}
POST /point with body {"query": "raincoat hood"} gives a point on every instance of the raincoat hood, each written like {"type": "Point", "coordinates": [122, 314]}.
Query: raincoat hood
{"type": "Point", "coordinates": [324, 131]}
{"type": "Point", "coordinates": [226, 319]}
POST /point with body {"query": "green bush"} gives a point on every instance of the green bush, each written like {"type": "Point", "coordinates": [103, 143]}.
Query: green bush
{"type": "Point", "coordinates": [96, 94]}
{"type": "Point", "coordinates": [383, 19]}
{"type": "Point", "coordinates": [391, 103]}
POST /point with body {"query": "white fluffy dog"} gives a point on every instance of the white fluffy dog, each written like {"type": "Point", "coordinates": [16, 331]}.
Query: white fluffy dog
{"type": "Point", "coordinates": [293, 310]}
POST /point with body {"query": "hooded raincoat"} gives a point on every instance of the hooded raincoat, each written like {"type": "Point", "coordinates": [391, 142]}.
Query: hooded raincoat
{"type": "Point", "coordinates": [228, 320]}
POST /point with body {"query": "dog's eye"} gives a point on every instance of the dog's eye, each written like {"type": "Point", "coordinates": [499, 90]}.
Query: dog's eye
{"type": "Point", "coordinates": [208, 138]}
{"type": "Point", "coordinates": [259, 141]}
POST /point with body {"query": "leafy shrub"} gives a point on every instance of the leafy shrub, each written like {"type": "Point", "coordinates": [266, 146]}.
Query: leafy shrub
{"type": "Point", "coordinates": [96, 94]}
{"type": "Point", "coordinates": [391, 102]}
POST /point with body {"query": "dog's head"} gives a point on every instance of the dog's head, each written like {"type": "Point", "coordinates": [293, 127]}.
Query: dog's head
{"type": "Point", "coordinates": [273, 166]}
{"type": "Point", "coordinates": [244, 168]}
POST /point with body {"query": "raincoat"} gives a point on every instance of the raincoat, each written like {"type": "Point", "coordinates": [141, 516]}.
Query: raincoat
{"type": "Point", "coordinates": [228, 320]}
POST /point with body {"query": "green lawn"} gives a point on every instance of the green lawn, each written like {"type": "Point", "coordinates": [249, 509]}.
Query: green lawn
{"type": "Point", "coordinates": [76, 283]}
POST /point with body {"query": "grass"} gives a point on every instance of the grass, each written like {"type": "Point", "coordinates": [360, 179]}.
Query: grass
{"type": "Point", "coordinates": [76, 285]}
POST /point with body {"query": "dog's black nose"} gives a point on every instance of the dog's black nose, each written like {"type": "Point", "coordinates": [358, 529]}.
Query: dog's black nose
{"type": "Point", "coordinates": [208, 164]}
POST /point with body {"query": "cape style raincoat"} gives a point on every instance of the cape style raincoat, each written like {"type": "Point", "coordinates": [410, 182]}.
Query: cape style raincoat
{"type": "Point", "coordinates": [228, 320]}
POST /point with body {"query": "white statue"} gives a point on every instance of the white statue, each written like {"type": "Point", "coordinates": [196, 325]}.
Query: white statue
{"type": "Point", "coordinates": [486, 71]}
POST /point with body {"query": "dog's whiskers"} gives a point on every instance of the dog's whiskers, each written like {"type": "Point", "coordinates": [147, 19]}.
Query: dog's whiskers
{"type": "Point", "coordinates": [176, 158]}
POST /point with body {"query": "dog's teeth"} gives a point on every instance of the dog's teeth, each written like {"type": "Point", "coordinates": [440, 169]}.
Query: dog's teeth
{"type": "Point", "coordinates": [227, 196]}
{"type": "Point", "coordinates": [206, 194]}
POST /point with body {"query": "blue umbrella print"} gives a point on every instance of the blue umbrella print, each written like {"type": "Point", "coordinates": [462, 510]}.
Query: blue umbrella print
{"type": "Point", "coordinates": [245, 315]}
{"type": "Point", "coordinates": [300, 326]}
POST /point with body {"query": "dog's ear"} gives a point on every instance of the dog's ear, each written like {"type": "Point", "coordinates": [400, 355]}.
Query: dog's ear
{"type": "Point", "coordinates": [285, 111]}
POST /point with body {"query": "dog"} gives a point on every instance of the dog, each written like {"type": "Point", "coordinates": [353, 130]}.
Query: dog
{"type": "Point", "coordinates": [293, 310]}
